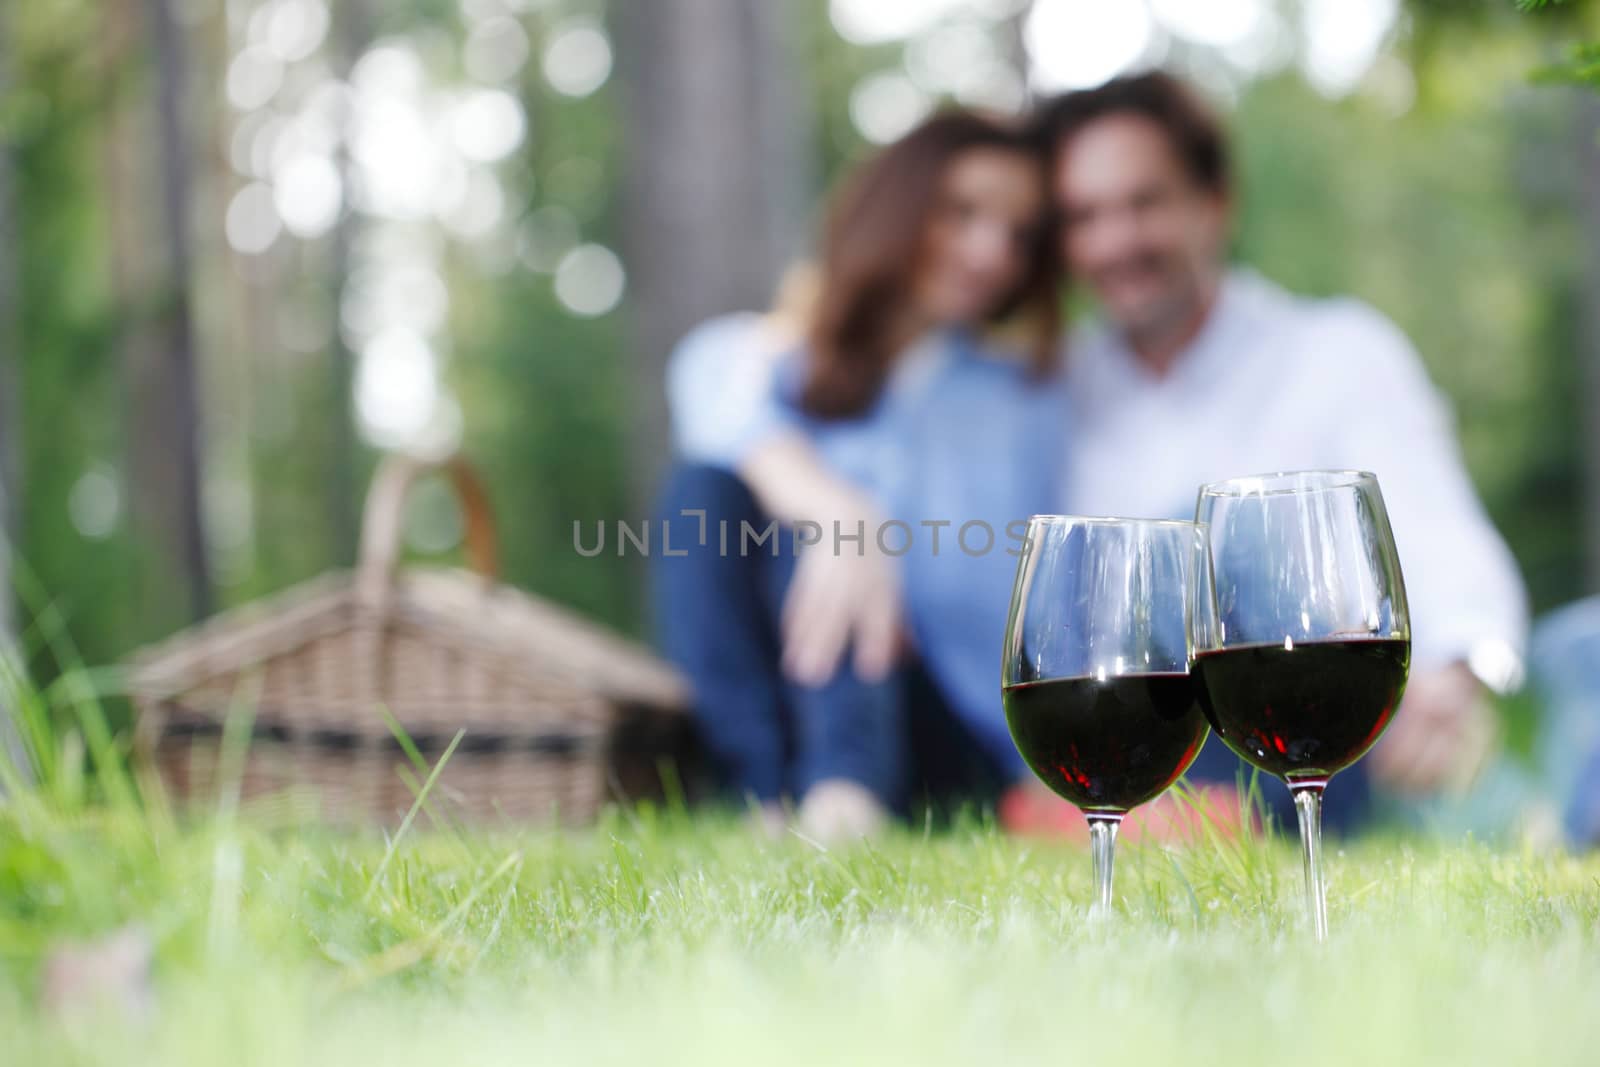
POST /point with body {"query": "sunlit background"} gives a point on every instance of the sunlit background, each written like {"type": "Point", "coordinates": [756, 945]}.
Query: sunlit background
{"type": "Point", "coordinates": [428, 224]}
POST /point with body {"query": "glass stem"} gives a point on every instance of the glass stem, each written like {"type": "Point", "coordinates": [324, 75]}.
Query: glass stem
{"type": "Point", "coordinates": [1103, 846]}
{"type": "Point", "coordinates": [1308, 804]}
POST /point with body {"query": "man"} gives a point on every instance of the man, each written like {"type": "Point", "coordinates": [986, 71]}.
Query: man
{"type": "Point", "coordinates": [1198, 372]}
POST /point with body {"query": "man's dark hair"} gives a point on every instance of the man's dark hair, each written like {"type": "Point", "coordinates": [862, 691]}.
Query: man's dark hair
{"type": "Point", "coordinates": [1190, 124]}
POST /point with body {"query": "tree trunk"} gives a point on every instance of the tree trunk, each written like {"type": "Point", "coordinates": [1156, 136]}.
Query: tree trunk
{"type": "Point", "coordinates": [10, 347]}
{"type": "Point", "coordinates": [719, 176]}
{"type": "Point", "coordinates": [1589, 132]}
{"type": "Point", "coordinates": [151, 260]}
{"type": "Point", "coordinates": [10, 405]}
{"type": "Point", "coordinates": [352, 34]}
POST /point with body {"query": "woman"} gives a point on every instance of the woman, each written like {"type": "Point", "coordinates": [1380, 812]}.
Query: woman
{"type": "Point", "coordinates": [895, 442]}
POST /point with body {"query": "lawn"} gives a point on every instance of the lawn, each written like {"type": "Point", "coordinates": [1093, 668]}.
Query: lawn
{"type": "Point", "coordinates": [664, 937]}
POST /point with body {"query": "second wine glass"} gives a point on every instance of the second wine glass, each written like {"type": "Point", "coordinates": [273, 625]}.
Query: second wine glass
{"type": "Point", "coordinates": [1304, 642]}
{"type": "Point", "coordinates": [1096, 681]}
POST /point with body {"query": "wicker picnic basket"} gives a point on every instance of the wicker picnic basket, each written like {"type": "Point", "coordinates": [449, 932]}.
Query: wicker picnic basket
{"type": "Point", "coordinates": [299, 694]}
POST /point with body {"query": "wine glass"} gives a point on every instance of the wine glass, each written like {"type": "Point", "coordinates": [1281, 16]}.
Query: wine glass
{"type": "Point", "coordinates": [1303, 640]}
{"type": "Point", "coordinates": [1096, 682]}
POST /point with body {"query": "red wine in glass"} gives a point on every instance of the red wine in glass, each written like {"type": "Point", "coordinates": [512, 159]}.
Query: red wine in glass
{"type": "Point", "coordinates": [1302, 637]}
{"type": "Point", "coordinates": [1095, 677]}
{"type": "Point", "coordinates": [1303, 710]}
{"type": "Point", "coordinates": [1107, 745]}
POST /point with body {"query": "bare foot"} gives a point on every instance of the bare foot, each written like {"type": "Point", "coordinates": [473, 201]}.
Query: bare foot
{"type": "Point", "coordinates": [768, 820]}
{"type": "Point", "coordinates": [837, 809]}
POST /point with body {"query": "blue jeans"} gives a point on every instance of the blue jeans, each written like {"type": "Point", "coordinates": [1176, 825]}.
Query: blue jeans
{"type": "Point", "coordinates": [1564, 665]}
{"type": "Point", "coordinates": [717, 607]}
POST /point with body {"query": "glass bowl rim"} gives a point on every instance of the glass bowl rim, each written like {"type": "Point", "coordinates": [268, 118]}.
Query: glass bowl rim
{"type": "Point", "coordinates": [1109, 520]}
{"type": "Point", "coordinates": [1261, 484]}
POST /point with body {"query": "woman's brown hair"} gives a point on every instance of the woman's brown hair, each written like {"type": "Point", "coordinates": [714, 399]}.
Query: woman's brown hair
{"type": "Point", "coordinates": [872, 246]}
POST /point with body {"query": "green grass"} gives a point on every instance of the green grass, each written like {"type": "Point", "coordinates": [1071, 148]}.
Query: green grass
{"type": "Point", "coordinates": [667, 938]}
{"type": "Point", "coordinates": [661, 936]}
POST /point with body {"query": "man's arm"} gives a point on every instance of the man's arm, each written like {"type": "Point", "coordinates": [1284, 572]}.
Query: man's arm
{"type": "Point", "coordinates": [1469, 612]}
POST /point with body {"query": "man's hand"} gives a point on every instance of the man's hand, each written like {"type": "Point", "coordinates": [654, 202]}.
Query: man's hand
{"type": "Point", "coordinates": [836, 600]}
{"type": "Point", "coordinates": [1443, 734]}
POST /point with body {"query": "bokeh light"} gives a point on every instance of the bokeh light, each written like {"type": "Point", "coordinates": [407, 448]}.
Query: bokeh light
{"type": "Point", "coordinates": [1217, 23]}
{"type": "Point", "coordinates": [308, 195]}
{"type": "Point", "coordinates": [884, 106]}
{"type": "Point", "coordinates": [251, 224]}
{"type": "Point", "coordinates": [1268, 48]}
{"type": "Point", "coordinates": [397, 387]}
{"type": "Point", "coordinates": [476, 11]}
{"type": "Point", "coordinates": [1342, 39]}
{"type": "Point", "coordinates": [487, 125]}
{"type": "Point", "coordinates": [946, 59]}
{"type": "Point", "coordinates": [392, 141]}
{"type": "Point", "coordinates": [389, 68]}
{"type": "Point", "coordinates": [995, 86]}
{"type": "Point", "coordinates": [433, 521]}
{"type": "Point", "coordinates": [94, 503]}
{"type": "Point", "coordinates": [589, 280]}
{"type": "Point", "coordinates": [577, 59]}
{"type": "Point", "coordinates": [869, 22]}
{"type": "Point", "coordinates": [495, 50]}
{"type": "Point", "coordinates": [229, 523]}
{"type": "Point", "coordinates": [1392, 84]}
{"type": "Point", "coordinates": [404, 292]}
{"type": "Point", "coordinates": [230, 529]}
{"type": "Point", "coordinates": [1076, 44]}
{"type": "Point", "coordinates": [961, 59]}
{"type": "Point", "coordinates": [250, 146]}
{"type": "Point", "coordinates": [480, 208]}
{"type": "Point", "coordinates": [253, 78]}
{"type": "Point", "coordinates": [294, 28]}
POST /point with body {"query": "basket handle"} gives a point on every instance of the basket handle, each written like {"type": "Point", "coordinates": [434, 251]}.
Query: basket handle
{"type": "Point", "coordinates": [385, 512]}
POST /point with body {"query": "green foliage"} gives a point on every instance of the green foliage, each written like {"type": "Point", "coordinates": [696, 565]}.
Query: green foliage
{"type": "Point", "coordinates": [1581, 68]}
{"type": "Point", "coordinates": [1452, 215]}
{"type": "Point", "coordinates": [67, 375]}
{"type": "Point", "coordinates": [1582, 63]}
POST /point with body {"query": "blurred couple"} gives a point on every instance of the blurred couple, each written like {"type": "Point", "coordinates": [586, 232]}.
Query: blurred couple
{"type": "Point", "coordinates": [912, 396]}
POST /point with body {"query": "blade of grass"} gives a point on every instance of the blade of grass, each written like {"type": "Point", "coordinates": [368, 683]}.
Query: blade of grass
{"type": "Point", "coordinates": [411, 815]}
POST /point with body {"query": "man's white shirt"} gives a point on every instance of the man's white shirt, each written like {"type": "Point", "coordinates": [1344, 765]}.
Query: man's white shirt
{"type": "Point", "coordinates": [1275, 382]}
